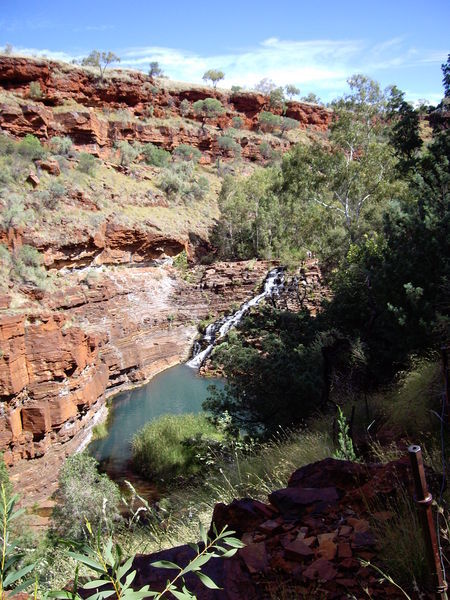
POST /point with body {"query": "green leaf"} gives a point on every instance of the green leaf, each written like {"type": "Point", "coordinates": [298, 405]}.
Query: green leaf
{"type": "Point", "coordinates": [63, 595]}
{"type": "Point", "coordinates": [229, 553]}
{"type": "Point", "coordinates": [165, 564]}
{"type": "Point", "coordinates": [123, 570]}
{"type": "Point", "coordinates": [234, 542]}
{"type": "Point", "coordinates": [85, 560]}
{"type": "Point", "coordinates": [16, 575]}
{"type": "Point", "coordinates": [182, 595]}
{"type": "Point", "coordinates": [22, 586]}
{"type": "Point", "coordinates": [96, 583]}
{"type": "Point", "coordinates": [196, 563]}
{"type": "Point", "coordinates": [207, 581]}
{"type": "Point", "coordinates": [203, 534]}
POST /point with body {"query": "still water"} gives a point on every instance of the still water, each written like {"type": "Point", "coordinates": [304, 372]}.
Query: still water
{"type": "Point", "coordinates": [175, 391]}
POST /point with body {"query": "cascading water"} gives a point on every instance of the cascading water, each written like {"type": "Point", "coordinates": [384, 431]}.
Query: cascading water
{"type": "Point", "coordinates": [273, 285]}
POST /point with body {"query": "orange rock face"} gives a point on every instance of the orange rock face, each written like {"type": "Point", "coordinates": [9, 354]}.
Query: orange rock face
{"type": "Point", "coordinates": [90, 128]}
{"type": "Point", "coordinates": [49, 371]}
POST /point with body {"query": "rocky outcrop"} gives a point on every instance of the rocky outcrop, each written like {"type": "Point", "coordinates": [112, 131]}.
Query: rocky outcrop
{"type": "Point", "coordinates": [306, 542]}
{"type": "Point", "coordinates": [75, 102]}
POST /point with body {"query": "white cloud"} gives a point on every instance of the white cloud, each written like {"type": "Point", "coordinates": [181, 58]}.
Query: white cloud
{"type": "Point", "coordinates": [320, 66]}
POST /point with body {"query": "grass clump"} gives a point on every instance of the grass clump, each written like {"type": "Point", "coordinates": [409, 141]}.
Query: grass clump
{"type": "Point", "coordinates": [160, 447]}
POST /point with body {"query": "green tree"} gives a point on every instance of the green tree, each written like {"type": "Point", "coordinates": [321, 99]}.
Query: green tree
{"type": "Point", "coordinates": [100, 60]}
{"type": "Point", "coordinates": [279, 382]}
{"type": "Point", "coordinates": [277, 99]}
{"type": "Point", "coordinates": [446, 77]}
{"type": "Point", "coordinates": [155, 70]}
{"type": "Point", "coordinates": [265, 86]}
{"type": "Point", "coordinates": [404, 133]}
{"type": "Point", "coordinates": [214, 76]}
{"type": "Point", "coordinates": [292, 90]}
{"type": "Point", "coordinates": [209, 108]}
{"type": "Point", "coordinates": [312, 98]}
{"type": "Point", "coordinates": [250, 220]}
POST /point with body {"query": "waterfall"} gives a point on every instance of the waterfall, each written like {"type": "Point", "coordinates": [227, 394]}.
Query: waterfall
{"type": "Point", "coordinates": [273, 285]}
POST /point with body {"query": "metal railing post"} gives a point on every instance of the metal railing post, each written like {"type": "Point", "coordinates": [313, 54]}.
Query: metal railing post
{"type": "Point", "coordinates": [423, 499]}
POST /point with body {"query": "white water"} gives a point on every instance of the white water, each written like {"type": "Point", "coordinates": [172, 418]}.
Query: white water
{"type": "Point", "coordinates": [273, 284]}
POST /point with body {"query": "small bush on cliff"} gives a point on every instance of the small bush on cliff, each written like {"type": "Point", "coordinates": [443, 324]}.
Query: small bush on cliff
{"type": "Point", "coordinates": [127, 153]}
{"type": "Point", "coordinates": [61, 145]}
{"type": "Point", "coordinates": [31, 147]}
{"type": "Point", "coordinates": [36, 90]}
{"type": "Point", "coordinates": [158, 447]}
{"type": "Point", "coordinates": [87, 163]}
{"type": "Point", "coordinates": [155, 156]}
{"type": "Point", "coordinates": [84, 494]}
{"type": "Point", "coordinates": [28, 267]}
{"type": "Point", "coordinates": [186, 152]}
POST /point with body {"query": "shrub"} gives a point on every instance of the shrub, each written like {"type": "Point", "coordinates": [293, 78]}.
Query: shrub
{"type": "Point", "coordinates": [35, 90]}
{"type": "Point", "coordinates": [28, 267]}
{"type": "Point", "coordinates": [266, 150]}
{"type": "Point", "coordinates": [14, 213]}
{"type": "Point", "coordinates": [159, 448]}
{"type": "Point", "coordinates": [87, 163]}
{"type": "Point", "coordinates": [127, 153]}
{"type": "Point", "coordinates": [171, 184]}
{"type": "Point", "coordinates": [7, 145]}
{"type": "Point", "coordinates": [229, 145]}
{"type": "Point", "coordinates": [268, 121]}
{"type": "Point", "coordinates": [30, 147]}
{"type": "Point", "coordinates": [186, 152]}
{"type": "Point", "coordinates": [236, 88]}
{"type": "Point", "coordinates": [287, 124]}
{"type": "Point", "coordinates": [237, 122]}
{"type": "Point", "coordinates": [84, 494]}
{"type": "Point", "coordinates": [155, 156]}
{"type": "Point", "coordinates": [61, 145]}
{"type": "Point", "coordinates": [185, 108]}
{"type": "Point", "coordinates": [5, 266]}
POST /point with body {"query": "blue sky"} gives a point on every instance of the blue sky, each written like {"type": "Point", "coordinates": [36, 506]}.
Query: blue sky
{"type": "Point", "coordinates": [315, 45]}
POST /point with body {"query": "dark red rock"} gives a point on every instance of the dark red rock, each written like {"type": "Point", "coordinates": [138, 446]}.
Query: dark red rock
{"type": "Point", "coordinates": [291, 502]}
{"type": "Point", "coordinates": [297, 550]}
{"type": "Point", "coordinates": [321, 569]}
{"type": "Point", "coordinates": [241, 515]}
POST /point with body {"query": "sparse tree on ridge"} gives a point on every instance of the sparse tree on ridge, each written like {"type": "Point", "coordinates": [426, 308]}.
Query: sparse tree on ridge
{"type": "Point", "coordinates": [155, 70]}
{"type": "Point", "coordinates": [292, 90]}
{"type": "Point", "coordinates": [213, 75]}
{"type": "Point", "coordinates": [100, 60]}
{"type": "Point", "coordinates": [265, 86]}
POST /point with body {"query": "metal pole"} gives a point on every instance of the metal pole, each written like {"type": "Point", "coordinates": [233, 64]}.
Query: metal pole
{"type": "Point", "coordinates": [423, 500]}
{"type": "Point", "coordinates": [445, 376]}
